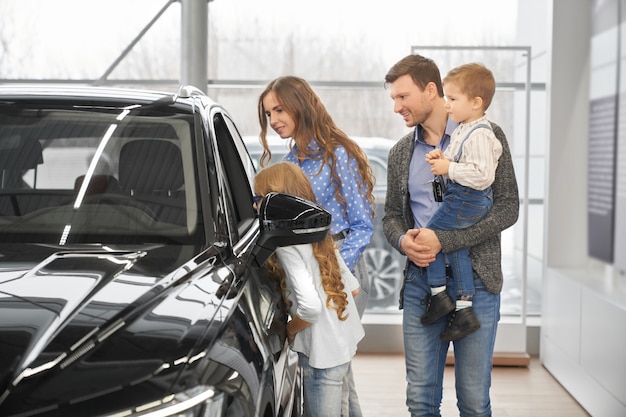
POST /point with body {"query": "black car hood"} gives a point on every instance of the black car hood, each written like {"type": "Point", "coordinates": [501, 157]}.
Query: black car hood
{"type": "Point", "coordinates": [79, 323]}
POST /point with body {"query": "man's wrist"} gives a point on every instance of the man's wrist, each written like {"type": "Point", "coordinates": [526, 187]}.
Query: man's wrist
{"type": "Point", "coordinates": [400, 244]}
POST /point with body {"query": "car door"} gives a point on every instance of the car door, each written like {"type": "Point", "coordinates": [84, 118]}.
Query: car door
{"type": "Point", "coordinates": [260, 292]}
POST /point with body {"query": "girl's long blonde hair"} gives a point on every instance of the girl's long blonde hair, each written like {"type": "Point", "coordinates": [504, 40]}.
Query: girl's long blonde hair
{"type": "Point", "coordinates": [285, 177]}
{"type": "Point", "coordinates": [312, 120]}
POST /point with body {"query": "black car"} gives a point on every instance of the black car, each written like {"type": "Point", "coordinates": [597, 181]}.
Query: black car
{"type": "Point", "coordinates": [384, 264]}
{"type": "Point", "coordinates": [130, 259]}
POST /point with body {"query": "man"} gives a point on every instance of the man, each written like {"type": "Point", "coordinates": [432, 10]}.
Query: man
{"type": "Point", "coordinates": [415, 87]}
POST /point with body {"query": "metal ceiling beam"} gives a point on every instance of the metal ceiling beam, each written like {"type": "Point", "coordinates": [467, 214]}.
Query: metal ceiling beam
{"type": "Point", "coordinates": [130, 46]}
{"type": "Point", "coordinates": [194, 43]}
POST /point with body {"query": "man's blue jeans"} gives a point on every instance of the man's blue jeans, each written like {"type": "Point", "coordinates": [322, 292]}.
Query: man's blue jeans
{"type": "Point", "coordinates": [425, 354]}
{"type": "Point", "coordinates": [461, 208]}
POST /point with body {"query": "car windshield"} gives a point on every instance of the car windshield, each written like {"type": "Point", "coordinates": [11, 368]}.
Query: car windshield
{"type": "Point", "coordinates": [97, 174]}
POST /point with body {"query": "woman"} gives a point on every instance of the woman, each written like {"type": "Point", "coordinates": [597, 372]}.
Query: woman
{"type": "Point", "coordinates": [338, 169]}
{"type": "Point", "coordinates": [339, 173]}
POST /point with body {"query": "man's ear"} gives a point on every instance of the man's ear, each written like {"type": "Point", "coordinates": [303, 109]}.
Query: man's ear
{"type": "Point", "coordinates": [431, 89]}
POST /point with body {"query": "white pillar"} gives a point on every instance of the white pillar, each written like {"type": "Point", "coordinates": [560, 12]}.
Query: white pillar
{"type": "Point", "coordinates": [194, 43]}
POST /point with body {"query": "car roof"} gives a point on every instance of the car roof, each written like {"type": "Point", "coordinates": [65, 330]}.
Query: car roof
{"type": "Point", "coordinates": [86, 92]}
{"type": "Point", "coordinates": [77, 90]}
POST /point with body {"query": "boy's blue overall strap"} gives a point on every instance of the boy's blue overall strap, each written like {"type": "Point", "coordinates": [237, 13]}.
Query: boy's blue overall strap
{"type": "Point", "coordinates": [458, 154]}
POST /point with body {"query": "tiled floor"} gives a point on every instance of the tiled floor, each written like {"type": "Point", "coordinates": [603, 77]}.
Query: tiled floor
{"type": "Point", "coordinates": [516, 391]}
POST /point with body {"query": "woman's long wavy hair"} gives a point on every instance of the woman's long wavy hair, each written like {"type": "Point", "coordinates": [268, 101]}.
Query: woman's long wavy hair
{"type": "Point", "coordinates": [312, 120]}
{"type": "Point", "coordinates": [285, 177]}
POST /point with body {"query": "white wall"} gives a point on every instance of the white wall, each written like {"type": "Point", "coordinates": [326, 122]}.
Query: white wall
{"type": "Point", "coordinates": [584, 301]}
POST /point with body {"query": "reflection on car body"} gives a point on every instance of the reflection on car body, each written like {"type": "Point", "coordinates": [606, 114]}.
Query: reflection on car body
{"type": "Point", "coordinates": [384, 263]}
{"type": "Point", "coordinates": [130, 254]}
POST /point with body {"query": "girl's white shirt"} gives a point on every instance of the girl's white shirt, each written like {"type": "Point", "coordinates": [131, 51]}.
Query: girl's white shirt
{"type": "Point", "coordinates": [328, 341]}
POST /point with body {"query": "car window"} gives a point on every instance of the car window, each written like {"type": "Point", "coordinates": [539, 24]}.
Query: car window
{"type": "Point", "coordinates": [248, 164]}
{"type": "Point", "coordinates": [238, 171]}
{"type": "Point", "coordinates": [97, 174]}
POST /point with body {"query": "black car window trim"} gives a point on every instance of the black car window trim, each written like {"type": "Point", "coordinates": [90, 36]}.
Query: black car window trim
{"type": "Point", "coordinates": [225, 216]}
{"type": "Point", "coordinates": [207, 179]}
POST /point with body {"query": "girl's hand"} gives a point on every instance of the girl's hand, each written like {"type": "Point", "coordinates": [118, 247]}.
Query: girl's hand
{"type": "Point", "coordinates": [294, 326]}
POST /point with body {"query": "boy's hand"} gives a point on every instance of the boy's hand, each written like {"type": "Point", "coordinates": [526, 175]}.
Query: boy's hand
{"type": "Point", "coordinates": [439, 166]}
{"type": "Point", "coordinates": [434, 154]}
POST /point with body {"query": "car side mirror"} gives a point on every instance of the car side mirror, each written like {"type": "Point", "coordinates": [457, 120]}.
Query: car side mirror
{"type": "Point", "coordinates": [288, 220]}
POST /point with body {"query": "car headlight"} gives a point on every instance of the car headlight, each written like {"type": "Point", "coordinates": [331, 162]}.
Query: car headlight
{"type": "Point", "coordinates": [200, 401]}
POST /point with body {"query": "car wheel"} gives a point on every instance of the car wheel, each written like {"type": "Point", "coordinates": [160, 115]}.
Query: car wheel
{"type": "Point", "coordinates": [385, 272]}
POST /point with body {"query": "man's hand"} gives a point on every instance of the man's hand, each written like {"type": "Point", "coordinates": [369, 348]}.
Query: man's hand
{"type": "Point", "coordinates": [420, 246]}
{"type": "Point", "coordinates": [421, 250]}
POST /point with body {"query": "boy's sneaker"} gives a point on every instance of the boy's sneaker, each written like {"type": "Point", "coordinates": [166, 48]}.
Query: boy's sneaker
{"type": "Point", "coordinates": [462, 323]}
{"type": "Point", "coordinates": [438, 306]}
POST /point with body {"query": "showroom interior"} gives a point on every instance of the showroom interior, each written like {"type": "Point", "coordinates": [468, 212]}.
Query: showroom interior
{"type": "Point", "coordinates": [564, 297]}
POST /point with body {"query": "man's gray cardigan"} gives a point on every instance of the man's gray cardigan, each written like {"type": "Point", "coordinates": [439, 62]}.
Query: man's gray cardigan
{"type": "Point", "coordinates": [483, 238]}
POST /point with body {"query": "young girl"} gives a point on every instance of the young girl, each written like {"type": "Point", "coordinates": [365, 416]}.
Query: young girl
{"type": "Point", "coordinates": [318, 290]}
{"type": "Point", "coordinates": [340, 175]}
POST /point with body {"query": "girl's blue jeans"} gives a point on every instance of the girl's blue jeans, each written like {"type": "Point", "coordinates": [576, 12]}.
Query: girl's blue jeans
{"type": "Point", "coordinates": [323, 389]}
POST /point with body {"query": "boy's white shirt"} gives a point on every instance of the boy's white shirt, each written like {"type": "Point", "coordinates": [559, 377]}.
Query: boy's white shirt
{"type": "Point", "coordinates": [477, 166]}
